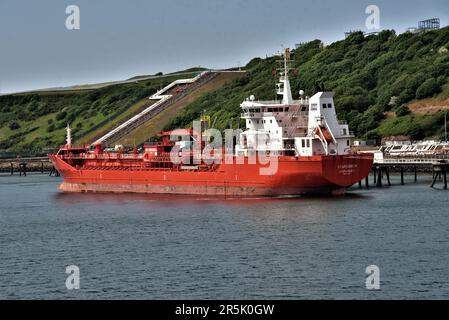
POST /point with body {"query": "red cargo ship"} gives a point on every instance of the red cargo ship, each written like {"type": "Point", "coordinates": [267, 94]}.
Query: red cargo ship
{"type": "Point", "coordinates": [289, 147]}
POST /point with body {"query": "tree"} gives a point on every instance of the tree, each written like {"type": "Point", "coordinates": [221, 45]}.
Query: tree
{"type": "Point", "coordinates": [427, 89]}
{"type": "Point", "coordinates": [61, 115]}
{"type": "Point", "coordinates": [402, 110]}
{"type": "Point", "coordinates": [51, 127]}
{"type": "Point", "coordinates": [14, 125]}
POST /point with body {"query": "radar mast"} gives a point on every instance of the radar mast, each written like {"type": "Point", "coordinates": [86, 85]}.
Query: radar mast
{"type": "Point", "coordinates": [283, 87]}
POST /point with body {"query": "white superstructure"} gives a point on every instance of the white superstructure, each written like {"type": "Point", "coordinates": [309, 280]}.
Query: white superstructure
{"type": "Point", "coordinates": [304, 127]}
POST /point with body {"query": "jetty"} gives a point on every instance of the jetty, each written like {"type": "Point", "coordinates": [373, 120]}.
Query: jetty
{"type": "Point", "coordinates": [384, 165]}
{"type": "Point", "coordinates": [22, 166]}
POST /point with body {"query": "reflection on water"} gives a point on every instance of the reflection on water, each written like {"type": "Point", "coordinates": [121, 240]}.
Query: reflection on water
{"type": "Point", "coordinates": [153, 246]}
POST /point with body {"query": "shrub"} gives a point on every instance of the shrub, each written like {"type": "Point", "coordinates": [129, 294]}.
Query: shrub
{"type": "Point", "coordinates": [427, 89]}
{"type": "Point", "coordinates": [51, 127]}
{"type": "Point", "coordinates": [14, 125]}
{"type": "Point", "coordinates": [61, 115]}
{"type": "Point", "coordinates": [402, 110]}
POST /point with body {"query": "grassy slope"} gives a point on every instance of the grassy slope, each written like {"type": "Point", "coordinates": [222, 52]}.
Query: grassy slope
{"type": "Point", "coordinates": [131, 111]}
{"type": "Point", "coordinates": [157, 123]}
{"type": "Point", "coordinates": [43, 116]}
{"type": "Point", "coordinates": [425, 118]}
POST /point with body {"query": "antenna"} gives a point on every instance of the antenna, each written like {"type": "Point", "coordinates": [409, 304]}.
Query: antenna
{"type": "Point", "coordinates": [284, 83]}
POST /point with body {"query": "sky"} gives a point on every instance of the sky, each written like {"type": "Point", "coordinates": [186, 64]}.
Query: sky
{"type": "Point", "coordinates": [121, 39]}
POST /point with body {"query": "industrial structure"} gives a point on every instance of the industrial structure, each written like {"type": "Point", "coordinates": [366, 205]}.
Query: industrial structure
{"type": "Point", "coordinates": [426, 25]}
{"type": "Point", "coordinates": [429, 24]}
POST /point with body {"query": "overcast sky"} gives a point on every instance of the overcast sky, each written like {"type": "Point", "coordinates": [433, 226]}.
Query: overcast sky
{"type": "Point", "coordinates": [121, 39]}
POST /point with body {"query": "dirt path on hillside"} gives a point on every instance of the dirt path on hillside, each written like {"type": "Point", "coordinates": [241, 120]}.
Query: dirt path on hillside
{"type": "Point", "coordinates": [429, 106]}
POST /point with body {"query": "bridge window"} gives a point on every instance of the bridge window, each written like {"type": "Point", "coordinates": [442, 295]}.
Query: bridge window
{"type": "Point", "coordinates": [308, 143]}
{"type": "Point", "coordinates": [314, 106]}
{"type": "Point", "coordinates": [286, 109]}
{"type": "Point", "coordinates": [329, 105]}
{"type": "Point", "coordinates": [324, 106]}
{"type": "Point", "coordinates": [303, 143]}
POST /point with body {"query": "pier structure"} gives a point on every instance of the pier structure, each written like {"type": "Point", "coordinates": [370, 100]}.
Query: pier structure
{"type": "Point", "coordinates": [438, 165]}
{"type": "Point", "coordinates": [22, 166]}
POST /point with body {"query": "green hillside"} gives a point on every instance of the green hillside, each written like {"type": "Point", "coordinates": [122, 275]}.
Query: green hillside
{"type": "Point", "coordinates": [375, 79]}
{"type": "Point", "coordinates": [33, 121]}
{"type": "Point", "coordinates": [372, 76]}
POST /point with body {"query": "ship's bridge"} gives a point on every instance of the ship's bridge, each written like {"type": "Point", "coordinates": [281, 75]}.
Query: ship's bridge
{"type": "Point", "coordinates": [253, 109]}
{"type": "Point", "coordinates": [304, 127]}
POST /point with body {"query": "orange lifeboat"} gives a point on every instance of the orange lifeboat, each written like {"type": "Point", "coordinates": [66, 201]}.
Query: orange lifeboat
{"type": "Point", "coordinates": [324, 134]}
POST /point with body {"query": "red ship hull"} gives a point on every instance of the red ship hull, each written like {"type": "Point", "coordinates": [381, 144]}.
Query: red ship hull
{"type": "Point", "coordinates": [294, 176]}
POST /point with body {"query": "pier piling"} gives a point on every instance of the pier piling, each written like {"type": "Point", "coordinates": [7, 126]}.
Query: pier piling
{"type": "Point", "coordinates": [23, 168]}
{"type": "Point", "coordinates": [387, 174]}
{"type": "Point", "coordinates": [379, 177]}
{"type": "Point", "coordinates": [439, 172]}
{"type": "Point", "coordinates": [375, 175]}
{"type": "Point", "coordinates": [444, 178]}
